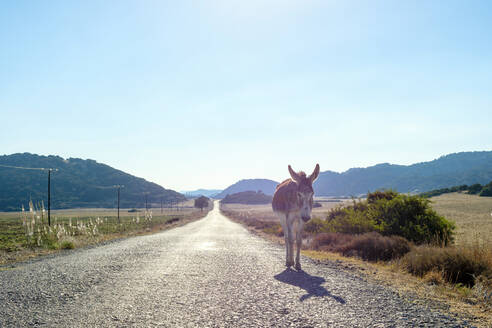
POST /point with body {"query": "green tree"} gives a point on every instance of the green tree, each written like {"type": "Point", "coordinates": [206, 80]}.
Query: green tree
{"type": "Point", "coordinates": [487, 190]}
{"type": "Point", "coordinates": [475, 188]}
{"type": "Point", "coordinates": [201, 202]}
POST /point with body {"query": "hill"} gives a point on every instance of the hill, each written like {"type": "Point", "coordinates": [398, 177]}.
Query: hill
{"type": "Point", "coordinates": [247, 197]}
{"type": "Point", "coordinates": [77, 183]}
{"type": "Point", "coordinates": [264, 185]}
{"type": "Point", "coordinates": [450, 170]}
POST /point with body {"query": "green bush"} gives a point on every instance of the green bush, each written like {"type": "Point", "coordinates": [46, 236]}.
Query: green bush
{"type": "Point", "coordinates": [354, 221]}
{"type": "Point", "coordinates": [66, 244]}
{"type": "Point", "coordinates": [315, 225]}
{"type": "Point", "coordinates": [487, 190]}
{"type": "Point", "coordinates": [373, 197]}
{"type": "Point", "coordinates": [475, 189]}
{"type": "Point", "coordinates": [390, 214]}
{"type": "Point", "coordinates": [413, 218]}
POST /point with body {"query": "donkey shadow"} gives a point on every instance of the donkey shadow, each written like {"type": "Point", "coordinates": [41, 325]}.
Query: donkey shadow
{"type": "Point", "coordinates": [311, 284]}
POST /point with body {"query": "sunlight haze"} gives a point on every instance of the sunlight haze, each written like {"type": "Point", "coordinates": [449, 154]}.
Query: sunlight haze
{"type": "Point", "coordinates": [192, 94]}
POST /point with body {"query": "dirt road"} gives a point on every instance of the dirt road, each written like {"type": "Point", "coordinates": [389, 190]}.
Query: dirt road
{"type": "Point", "coordinates": [209, 273]}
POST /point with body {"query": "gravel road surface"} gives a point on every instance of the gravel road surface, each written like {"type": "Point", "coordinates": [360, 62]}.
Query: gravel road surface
{"type": "Point", "coordinates": [209, 273]}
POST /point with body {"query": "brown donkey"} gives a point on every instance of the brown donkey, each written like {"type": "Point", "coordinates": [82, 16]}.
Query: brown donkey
{"type": "Point", "coordinates": [293, 202]}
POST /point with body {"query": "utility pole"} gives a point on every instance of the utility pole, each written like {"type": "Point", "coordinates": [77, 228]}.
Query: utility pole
{"type": "Point", "coordinates": [49, 197]}
{"type": "Point", "coordinates": [161, 204]}
{"type": "Point", "coordinates": [146, 203]}
{"type": "Point", "coordinates": [49, 194]}
{"type": "Point", "coordinates": [119, 187]}
{"type": "Point", "coordinates": [49, 182]}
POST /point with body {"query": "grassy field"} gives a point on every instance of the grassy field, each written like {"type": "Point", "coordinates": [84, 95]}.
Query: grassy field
{"type": "Point", "coordinates": [24, 235]}
{"type": "Point", "coordinates": [472, 215]}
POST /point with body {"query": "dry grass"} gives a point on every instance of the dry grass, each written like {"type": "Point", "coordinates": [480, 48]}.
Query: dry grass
{"type": "Point", "coordinates": [369, 246]}
{"type": "Point", "coordinates": [457, 264]}
{"type": "Point", "coordinates": [472, 215]}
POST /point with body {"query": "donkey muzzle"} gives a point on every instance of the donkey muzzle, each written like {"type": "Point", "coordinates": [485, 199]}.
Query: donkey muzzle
{"type": "Point", "coordinates": [306, 218]}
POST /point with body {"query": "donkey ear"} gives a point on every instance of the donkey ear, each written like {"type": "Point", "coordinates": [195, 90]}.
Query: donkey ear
{"type": "Point", "coordinates": [293, 174]}
{"type": "Point", "coordinates": [315, 174]}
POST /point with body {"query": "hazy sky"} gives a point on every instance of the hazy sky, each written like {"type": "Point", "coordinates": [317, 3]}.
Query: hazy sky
{"type": "Point", "coordinates": [193, 94]}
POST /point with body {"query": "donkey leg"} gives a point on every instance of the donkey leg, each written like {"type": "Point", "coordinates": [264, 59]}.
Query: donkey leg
{"type": "Point", "coordinates": [287, 249]}
{"type": "Point", "coordinates": [300, 226]}
{"type": "Point", "coordinates": [290, 256]}
{"type": "Point", "coordinates": [283, 223]}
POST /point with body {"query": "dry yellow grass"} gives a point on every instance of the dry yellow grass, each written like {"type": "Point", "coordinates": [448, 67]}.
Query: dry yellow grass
{"type": "Point", "coordinates": [472, 215]}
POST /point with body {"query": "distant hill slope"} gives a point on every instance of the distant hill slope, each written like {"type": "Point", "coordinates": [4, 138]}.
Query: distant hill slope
{"type": "Point", "coordinates": [77, 183]}
{"type": "Point", "coordinates": [247, 197]}
{"type": "Point", "coordinates": [450, 170]}
{"type": "Point", "coordinates": [201, 192]}
{"type": "Point", "coordinates": [265, 185]}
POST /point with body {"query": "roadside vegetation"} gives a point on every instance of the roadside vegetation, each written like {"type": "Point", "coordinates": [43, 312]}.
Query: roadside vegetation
{"type": "Point", "coordinates": [408, 233]}
{"type": "Point", "coordinates": [27, 234]}
{"type": "Point", "coordinates": [474, 189]}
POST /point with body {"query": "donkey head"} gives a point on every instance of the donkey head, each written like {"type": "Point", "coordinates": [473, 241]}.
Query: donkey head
{"type": "Point", "coordinates": [305, 191]}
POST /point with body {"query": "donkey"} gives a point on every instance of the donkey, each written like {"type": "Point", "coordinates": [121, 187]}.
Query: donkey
{"type": "Point", "coordinates": [292, 203]}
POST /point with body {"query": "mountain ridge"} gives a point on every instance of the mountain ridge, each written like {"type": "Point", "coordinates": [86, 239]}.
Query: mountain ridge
{"type": "Point", "coordinates": [447, 170]}
{"type": "Point", "coordinates": [265, 185]}
{"type": "Point", "coordinates": [77, 183]}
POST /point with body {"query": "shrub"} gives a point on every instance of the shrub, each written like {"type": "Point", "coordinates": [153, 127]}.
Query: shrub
{"type": "Point", "coordinates": [411, 217]}
{"type": "Point", "coordinates": [354, 222]}
{"type": "Point", "coordinates": [374, 247]}
{"type": "Point", "coordinates": [369, 246]}
{"type": "Point", "coordinates": [390, 214]}
{"type": "Point", "coordinates": [273, 229]}
{"type": "Point", "coordinates": [66, 244]}
{"type": "Point", "coordinates": [487, 190]}
{"type": "Point", "coordinates": [475, 188]}
{"type": "Point", "coordinates": [330, 241]}
{"type": "Point", "coordinates": [173, 220]}
{"type": "Point", "coordinates": [457, 264]}
{"type": "Point", "coordinates": [373, 197]}
{"type": "Point", "coordinates": [316, 225]}
{"type": "Point", "coordinates": [437, 192]}
{"type": "Point", "coordinates": [434, 277]}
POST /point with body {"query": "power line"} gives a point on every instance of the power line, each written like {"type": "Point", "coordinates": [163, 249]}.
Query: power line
{"type": "Point", "coordinates": [108, 187]}
{"type": "Point", "coordinates": [49, 182]}
{"type": "Point", "coordinates": [29, 168]}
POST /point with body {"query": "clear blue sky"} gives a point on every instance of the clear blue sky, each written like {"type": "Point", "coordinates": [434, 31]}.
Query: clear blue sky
{"type": "Point", "coordinates": [193, 94]}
